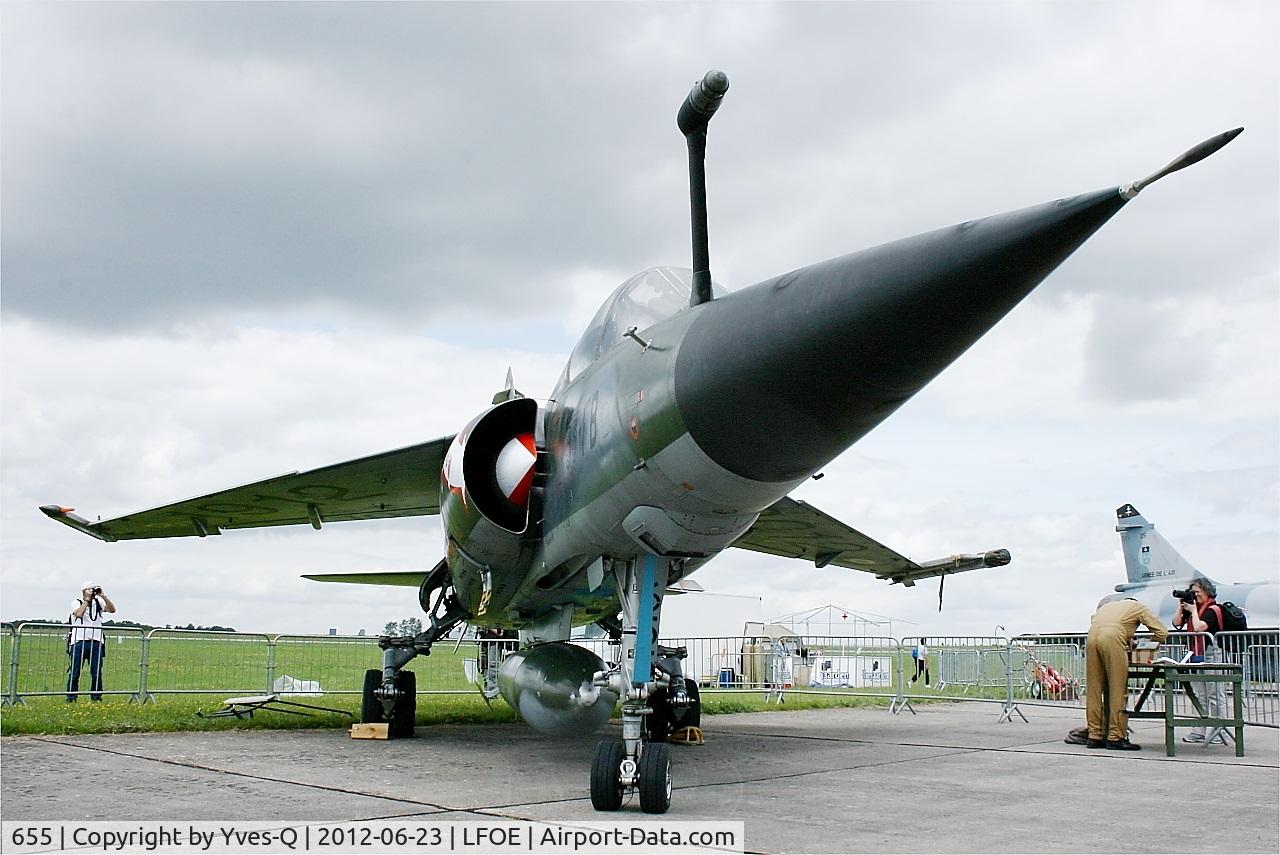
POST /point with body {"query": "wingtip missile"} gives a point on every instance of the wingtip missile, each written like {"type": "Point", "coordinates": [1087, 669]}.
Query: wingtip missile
{"type": "Point", "coordinates": [1195, 154]}
{"type": "Point", "coordinates": [961, 563]}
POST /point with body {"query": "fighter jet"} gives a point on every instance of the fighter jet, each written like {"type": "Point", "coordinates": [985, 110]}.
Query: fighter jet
{"type": "Point", "coordinates": [1156, 569]}
{"type": "Point", "coordinates": [684, 418]}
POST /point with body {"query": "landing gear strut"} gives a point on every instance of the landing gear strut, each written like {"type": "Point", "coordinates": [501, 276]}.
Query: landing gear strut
{"type": "Point", "coordinates": [651, 683]}
{"type": "Point", "coordinates": [390, 695]}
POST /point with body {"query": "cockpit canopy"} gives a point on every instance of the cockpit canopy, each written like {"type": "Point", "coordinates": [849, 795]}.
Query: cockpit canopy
{"type": "Point", "coordinates": [650, 296]}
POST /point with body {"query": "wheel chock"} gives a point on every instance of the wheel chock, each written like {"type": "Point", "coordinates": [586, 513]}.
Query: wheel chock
{"type": "Point", "coordinates": [687, 736]}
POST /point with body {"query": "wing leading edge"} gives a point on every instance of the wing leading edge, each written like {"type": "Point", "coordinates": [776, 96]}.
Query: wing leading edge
{"type": "Point", "coordinates": [413, 578]}
{"type": "Point", "coordinates": [796, 529]}
{"type": "Point", "coordinates": [399, 483]}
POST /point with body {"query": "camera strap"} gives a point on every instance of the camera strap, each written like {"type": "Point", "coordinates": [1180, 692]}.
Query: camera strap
{"type": "Point", "coordinates": [89, 612]}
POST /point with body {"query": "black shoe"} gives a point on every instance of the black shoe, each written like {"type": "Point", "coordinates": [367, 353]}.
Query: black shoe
{"type": "Point", "coordinates": [70, 700]}
{"type": "Point", "coordinates": [1096, 743]}
{"type": "Point", "coordinates": [1122, 745]}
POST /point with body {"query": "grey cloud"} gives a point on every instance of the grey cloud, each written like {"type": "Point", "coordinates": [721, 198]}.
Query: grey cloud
{"type": "Point", "coordinates": [225, 225]}
{"type": "Point", "coordinates": [1139, 351]}
{"type": "Point", "coordinates": [398, 160]}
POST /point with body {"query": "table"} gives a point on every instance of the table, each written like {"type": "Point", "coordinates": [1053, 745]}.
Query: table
{"type": "Point", "coordinates": [1187, 675]}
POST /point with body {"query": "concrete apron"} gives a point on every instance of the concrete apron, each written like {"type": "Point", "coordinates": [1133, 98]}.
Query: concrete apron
{"type": "Point", "coordinates": [949, 779]}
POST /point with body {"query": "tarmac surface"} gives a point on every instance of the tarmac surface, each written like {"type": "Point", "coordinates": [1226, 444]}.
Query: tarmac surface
{"type": "Point", "coordinates": [951, 778]}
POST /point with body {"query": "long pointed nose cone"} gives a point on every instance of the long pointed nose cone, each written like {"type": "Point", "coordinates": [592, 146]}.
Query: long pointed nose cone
{"type": "Point", "coordinates": [777, 379]}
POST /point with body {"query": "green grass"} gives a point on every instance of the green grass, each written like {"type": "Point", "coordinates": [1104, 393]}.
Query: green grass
{"type": "Point", "coordinates": [222, 664]}
{"type": "Point", "coordinates": [52, 716]}
{"type": "Point", "coordinates": [722, 703]}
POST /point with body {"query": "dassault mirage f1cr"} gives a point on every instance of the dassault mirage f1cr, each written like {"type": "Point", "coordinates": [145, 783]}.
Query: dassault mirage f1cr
{"type": "Point", "coordinates": [683, 419]}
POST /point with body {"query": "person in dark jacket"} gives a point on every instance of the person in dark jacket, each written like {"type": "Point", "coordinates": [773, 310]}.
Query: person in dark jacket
{"type": "Point", "coordinates": [1204, 615]}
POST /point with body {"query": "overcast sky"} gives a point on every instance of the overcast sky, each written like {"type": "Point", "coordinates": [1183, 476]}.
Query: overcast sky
{"type": "Point", "coordinates": [240, 240]}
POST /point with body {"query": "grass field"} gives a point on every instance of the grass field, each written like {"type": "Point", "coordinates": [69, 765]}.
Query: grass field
{"type": "Point", "coordinates": [181, 673]}
{"type": "Point", "coordinates": [52, 716]}
{"type": "Point", "coordinates": [217, 663]}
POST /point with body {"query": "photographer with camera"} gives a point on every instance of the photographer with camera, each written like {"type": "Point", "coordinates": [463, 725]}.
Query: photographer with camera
{"type": "Point", "coordinates": [86, 639]}
{"type": "Point", "coordinates": [1198, 611]}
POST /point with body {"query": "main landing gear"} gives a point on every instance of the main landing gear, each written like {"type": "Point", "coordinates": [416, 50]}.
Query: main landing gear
{"type": "Point", "coordinates": [656, 696]}
{"type": "Point", "coordinates": [390, 695]}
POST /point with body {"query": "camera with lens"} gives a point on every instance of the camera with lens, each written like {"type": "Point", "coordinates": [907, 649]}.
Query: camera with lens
{"type": "Point", "coordinates": [1186, 596]}
{"type": "Point", "coordinates": [97, 591]}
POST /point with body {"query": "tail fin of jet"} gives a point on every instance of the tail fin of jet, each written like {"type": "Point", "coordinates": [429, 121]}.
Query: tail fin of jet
{"type": "Point", "coordinates": [1147, 555]}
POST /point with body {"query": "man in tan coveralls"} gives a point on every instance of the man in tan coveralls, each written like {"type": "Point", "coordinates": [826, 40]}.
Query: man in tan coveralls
{"type": "Point", "coordinates": [1107, 670]}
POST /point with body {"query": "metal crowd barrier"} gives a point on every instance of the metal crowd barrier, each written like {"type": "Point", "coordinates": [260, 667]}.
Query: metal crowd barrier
{"type": "Point", "coordinates": [975, 668]}
{"type": "Point", "coordinates": [324, 664]}
{"type": "Point", "coordinates": [187, 662]}
{"type": "Point", "coordinates": [1047, 670]}
{"type": "Point", "coordinates": [1053, 672]}
{"type": "Point", "coordinates": [1259, 654]}
{"type": "Point", "coordinates": [40, 662]}
{"type": "Point", "coordinates": [866, 666]}
{"type": "Point", "coordinates": [9, 656]}
{"type": "Point", "coordinates": [145, 665]}
{"type": "Point", "coordinates": [871, 666]}
{"type": "Point", "coordinates": [1025, 671]}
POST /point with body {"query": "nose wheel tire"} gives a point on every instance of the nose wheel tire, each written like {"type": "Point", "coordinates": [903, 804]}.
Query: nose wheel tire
{"type": "Point", "coordinates": [370, 706]}
{"type": "Point", "coordinates": [665, 719]}
{"type": "Point", "coordinates": [690, 716]}
{"type": "Point", "coordinates": [406, 709]}
{"type": "Point", "coordinates": [606, 789]}
{"type": "Point", "coordinates": [655, 778]}
{"type": "Point", "coordinates": [400, 725]}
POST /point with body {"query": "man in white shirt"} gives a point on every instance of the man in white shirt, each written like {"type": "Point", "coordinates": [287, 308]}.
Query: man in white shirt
{"type": "Point", "coordinates": [920, 654]}
{"type": "Point", "coordinates": [87, 641]}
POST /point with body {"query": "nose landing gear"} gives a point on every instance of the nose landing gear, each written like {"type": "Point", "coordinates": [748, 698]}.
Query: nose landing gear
{"type": "Point", "coordinates": [657, 697]}
{"type": "Point", "coordinates": [390, 695]}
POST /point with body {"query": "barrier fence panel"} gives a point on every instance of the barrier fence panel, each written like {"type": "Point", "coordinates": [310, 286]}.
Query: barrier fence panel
{"type": "Point", "coordinates": [956, 667]}
{"type": "Point", "coordinates": [332, 664]}
{"type": "Point", "coordinates": [9, 662]}
{"type": "Point", "coordinates": [445, 670]}
{"type": "Point", "coordinates": [40, 663]}
{"type": "Point", "coordinates": [1047, 670]}
{"type": "Point", "coordinates": [1258, 651]}
{"type": "Point", "coordinates": [721, 663]}
{"type": "Point", "coordinates": [870, 666]}
{"type": "Point", "coordinates": [1050, 670]}
{"type": "Point", "coordinates": [976, 668]}
{"type": "Point", "coordinates": [323, 664]}
{"type": "Point", "coordinates": [865, 665]}
{"type": "Point", "coordinates": [183, 661]}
